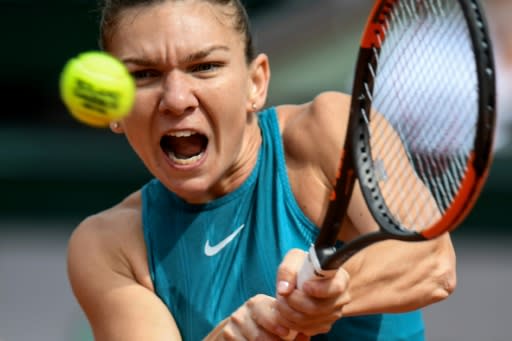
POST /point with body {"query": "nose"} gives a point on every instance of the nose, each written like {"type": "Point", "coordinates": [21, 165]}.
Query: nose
{"type": "Point", "coordinates": [178, 96]}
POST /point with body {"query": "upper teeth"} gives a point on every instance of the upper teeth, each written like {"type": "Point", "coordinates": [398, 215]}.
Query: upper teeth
{"type": "Point", "coordinates": [183, 133]}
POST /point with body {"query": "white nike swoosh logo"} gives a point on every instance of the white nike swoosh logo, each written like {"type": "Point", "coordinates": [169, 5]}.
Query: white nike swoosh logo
{"type": "Point", "coordinates": [210, 250]}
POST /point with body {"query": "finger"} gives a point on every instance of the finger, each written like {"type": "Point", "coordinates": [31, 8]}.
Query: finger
{"type": "Point", "coordinates": [231, 330]}
{"type": "Point", "coordinates": [309, 315]}
{"type": "Point", "coordinates": [242, 327]}
{"type": "Point", "coordinates": [311, 327]}
{"type": "Point", "coordinates": [287, 271]}
{"type": "Point", "coordinates": [309, 312]}
{"type": "Point", "coordinates": [302, 304]}
{"type": "Point", "coordinates": [265, 315]}
{"type": "Point", "coordinates": [302, 337]}
{"type": "Point", "coordinates": [333, 287]}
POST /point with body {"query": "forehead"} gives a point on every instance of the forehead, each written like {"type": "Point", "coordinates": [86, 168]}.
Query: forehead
{"type": "Point", "coordinates": [176, 25]}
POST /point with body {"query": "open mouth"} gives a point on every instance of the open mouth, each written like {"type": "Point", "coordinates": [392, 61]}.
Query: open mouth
{"type": "Point", "coordinates": [184, 147]}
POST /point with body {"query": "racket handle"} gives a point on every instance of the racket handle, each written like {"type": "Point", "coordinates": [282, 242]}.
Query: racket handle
{"type": "Point", "coordinates": [310, 270]}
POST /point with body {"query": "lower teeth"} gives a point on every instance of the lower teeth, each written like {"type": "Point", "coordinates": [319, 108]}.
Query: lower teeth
{"type": "Point", "coordinates": [182, 161]}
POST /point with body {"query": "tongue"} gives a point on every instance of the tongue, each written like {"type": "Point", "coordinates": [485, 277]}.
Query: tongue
{"type": "Point", "coordinates": [187, 147]}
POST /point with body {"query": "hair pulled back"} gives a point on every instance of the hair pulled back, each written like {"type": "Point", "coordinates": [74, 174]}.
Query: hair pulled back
{"type": "Point", "coordinates": [112, 9]}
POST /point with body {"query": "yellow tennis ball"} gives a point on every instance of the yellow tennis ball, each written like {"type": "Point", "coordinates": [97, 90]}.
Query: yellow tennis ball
{"type": "Point", "coordinates": [97, 88]}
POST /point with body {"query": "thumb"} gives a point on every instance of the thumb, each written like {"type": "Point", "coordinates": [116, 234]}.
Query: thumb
{"type": "Point", "coordinates": [288, 270]}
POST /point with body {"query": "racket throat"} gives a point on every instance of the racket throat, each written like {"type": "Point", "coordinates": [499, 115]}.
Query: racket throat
{"type": "Point", "coordinates": [323, 256]}
{"type": "Point", "coordinates": [332, 257]}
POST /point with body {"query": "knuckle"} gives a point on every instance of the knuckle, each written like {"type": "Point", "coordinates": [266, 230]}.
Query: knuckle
{"type": "Point", "coordinates": [262, 337]}
{"type": "Point", "coordinates": [255, 301]}
{"type": "Point", "coordinates": [338, 313]}
{"type": "Point", "coordinates": [229, 334]}
{"type": "Point", "coordinates": [285, 270]}
{"type": "Point", "coordinates": [291, 259]}
{"type": "Point", "coordinates": [326, 329]}
{"type": "Point", "coordinates": [236, 318]}
{"type": "Point", "coordinates": [343, 300]}
{"type": "Point", "coordinates": [320, 329]}
{"type": "Point", "coordinates": [348, 298]}
{"type": "Point", "coordinates": [315, 289]}
{"type": "Point", "coordinates": [251, 302]}
{"type": "Point", "coordinates": [341, 284]}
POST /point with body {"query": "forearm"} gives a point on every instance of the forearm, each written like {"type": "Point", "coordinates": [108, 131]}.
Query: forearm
{"type": "Point", "coordinates": [394, 276]}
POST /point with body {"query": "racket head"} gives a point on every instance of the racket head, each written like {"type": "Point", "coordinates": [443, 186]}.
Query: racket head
{"type": "Point", "coordinates": [425, 90]}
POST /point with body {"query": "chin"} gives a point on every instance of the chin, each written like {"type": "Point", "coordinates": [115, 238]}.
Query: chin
{"type": "Point", "coordinates": [193, 191]}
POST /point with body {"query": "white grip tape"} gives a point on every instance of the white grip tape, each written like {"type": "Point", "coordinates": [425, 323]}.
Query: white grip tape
{"type": "Point", "coordinates": [310, 269]}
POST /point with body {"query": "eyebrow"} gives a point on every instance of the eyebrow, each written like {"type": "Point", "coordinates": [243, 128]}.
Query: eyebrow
{"type": "Point", "coordinates": [190, 58]}
{"type": "Point", "coordinates": [206, 52]}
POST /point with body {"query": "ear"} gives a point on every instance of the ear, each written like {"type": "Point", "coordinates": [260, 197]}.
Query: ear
{"type": "Point", "coordinates": [259, 78]}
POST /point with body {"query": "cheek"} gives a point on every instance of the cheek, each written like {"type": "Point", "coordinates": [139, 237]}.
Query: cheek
{"type": "Point", "coordinates": [140, 116]}
{"type": "Point", "coordinates": [145, 102]}
{"type": "Point", "coordinates": [137, 125]}
{"type": "Point", "coordinates": [237, 115]}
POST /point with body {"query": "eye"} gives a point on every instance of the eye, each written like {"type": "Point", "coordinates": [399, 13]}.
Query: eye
{"type": "Point", "coordinates": [205, 67]}
{"type": "Point", "coordinates": [145, 74]}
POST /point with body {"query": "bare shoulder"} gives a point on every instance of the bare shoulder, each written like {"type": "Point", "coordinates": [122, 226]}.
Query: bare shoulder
{"type": "Point", "coordinates": [113, 237]}
{"type": "Point", "coordinates": [108, 272]}
{"type": "Point", "coordinates": [327, 103]}
{"type": "Point", "coordinates": [320, 108]}
{"type": "Point", "coordinates": [321, 122]}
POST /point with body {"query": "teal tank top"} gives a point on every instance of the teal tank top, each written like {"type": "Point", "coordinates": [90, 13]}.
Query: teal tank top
{"type": "Point", "coordinates": [206, 260]}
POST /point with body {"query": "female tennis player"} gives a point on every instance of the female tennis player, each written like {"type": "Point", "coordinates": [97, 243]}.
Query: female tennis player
{"type": "Point", "coordinates": [211, 247]}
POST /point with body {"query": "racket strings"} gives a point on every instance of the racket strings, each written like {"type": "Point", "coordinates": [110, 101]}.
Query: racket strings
{"type": "Point", "coordinates": [421, 210]}
{"type": "Point", "coordinates": [426, 88]}
{"type": "Point", "coordinates": [445, 184]}
{"type": "Point", "coordinates": [398, 196]}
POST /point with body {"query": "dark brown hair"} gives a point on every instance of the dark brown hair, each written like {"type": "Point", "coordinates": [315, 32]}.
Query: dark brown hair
{"type": "Point", "coordinates": [111, 9]}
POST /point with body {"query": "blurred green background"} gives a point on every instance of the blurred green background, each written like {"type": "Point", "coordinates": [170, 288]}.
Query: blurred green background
{"type": "Point", "coordinates": [53, 167]}
{"type": "Point", "coordinates": [55, 171]}
{"type": "Point", "coordinates": [50, 165]}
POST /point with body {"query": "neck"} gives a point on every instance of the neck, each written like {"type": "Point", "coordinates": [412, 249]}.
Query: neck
{"type": "Point", "coordinates": [244, 163]}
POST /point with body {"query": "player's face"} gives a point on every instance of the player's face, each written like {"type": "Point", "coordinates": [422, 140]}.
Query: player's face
{"type": "Point", "coordinates": [192, 123]}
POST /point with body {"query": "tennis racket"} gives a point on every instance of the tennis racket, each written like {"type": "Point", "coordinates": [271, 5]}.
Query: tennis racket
{"type": "Point", "coordinates": [421, 127]}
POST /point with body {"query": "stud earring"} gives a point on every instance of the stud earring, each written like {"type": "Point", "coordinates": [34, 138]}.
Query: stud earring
{"type": "Point", "coordinates": [115, 125]}
{"type": "Point", "coordinates": [254, 107]}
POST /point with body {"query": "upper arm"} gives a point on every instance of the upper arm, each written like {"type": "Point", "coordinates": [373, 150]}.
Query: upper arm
{"type": "Point", "coordinates": [313, 135]}
{"type": "Point", "coordinates": [116, 304]}
{"type": "Point", "coordinates": [316, 137]}
{"type": "Point", "coordinates": [315, 132]}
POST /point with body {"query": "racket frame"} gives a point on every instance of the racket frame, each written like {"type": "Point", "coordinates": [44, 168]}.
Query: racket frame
{"type": "Point", "coordinates": [356, 161]}
{"type": "Point", "coordinates": [324, 256]}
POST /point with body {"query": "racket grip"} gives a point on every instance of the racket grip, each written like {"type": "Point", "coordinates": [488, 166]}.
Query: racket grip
{"type": "Point", "coordinates": [310, 270]}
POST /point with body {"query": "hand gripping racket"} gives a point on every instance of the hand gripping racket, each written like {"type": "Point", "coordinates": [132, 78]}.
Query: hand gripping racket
{"type": "Point", "coordinates": [420, 130]}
